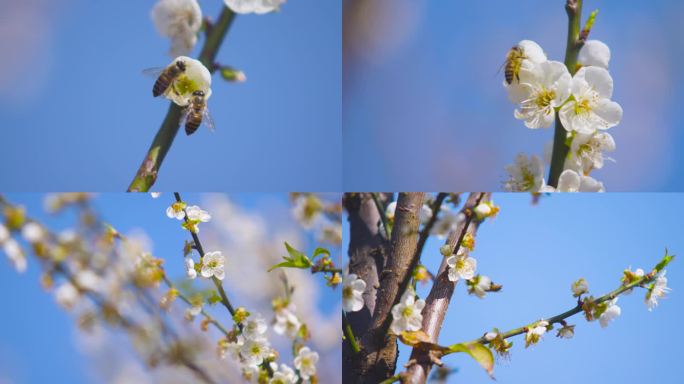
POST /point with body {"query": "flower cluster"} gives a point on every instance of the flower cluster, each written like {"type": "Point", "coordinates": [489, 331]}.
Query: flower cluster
{"type": "Point", "coordinates": [546, 91]}
{"type": "Point", "coordinates": [180, 21]}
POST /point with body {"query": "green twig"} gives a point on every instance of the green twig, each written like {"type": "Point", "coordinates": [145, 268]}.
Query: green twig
{"type": "Point", "coordinates": [392, 379]}
{"type": "Point", "coordinates": [572, 48]}
{"type": "Point", "coordinates": [349, 334]}
{"type": "Point", "coordinates": [646, 279]}
{"type": "Point", "coordinates": [147, 173]}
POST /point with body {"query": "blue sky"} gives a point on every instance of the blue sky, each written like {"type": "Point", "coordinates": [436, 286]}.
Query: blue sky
{"type": "Point", "coordinates": [79, 115]}
{"type": "Point", "coordinates": [536, 252]}
{"type": "Point", "coordinates": [424, 107]}
{"type": "Point", "coordinates": [35, 332]}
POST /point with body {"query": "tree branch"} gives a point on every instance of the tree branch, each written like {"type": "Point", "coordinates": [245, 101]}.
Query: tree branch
{"type": "Point", "coordinates": [437, 301]}
{"type": "Point", "coordinates": [147, 173]}
{"type": "Point", "coordinates": [572, 48]}
{"type": "Point", "coordinates": [198, 245]}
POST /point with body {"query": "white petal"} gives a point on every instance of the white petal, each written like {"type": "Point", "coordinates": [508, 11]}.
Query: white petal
{"type": "Point", "coordinates": [594, 52]}
{"type": "Point", "coordinates": [533, 51]}
{"type": "Point", "coordinates": [599, 79]}
{"type": "Point", "coordinates": [609, 112]}
{"type": "Point", "coordinates": [569, 181]}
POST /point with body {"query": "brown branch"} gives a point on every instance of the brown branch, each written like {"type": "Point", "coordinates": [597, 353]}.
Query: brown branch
{"type": "Point", "coordinates": [437, 301]}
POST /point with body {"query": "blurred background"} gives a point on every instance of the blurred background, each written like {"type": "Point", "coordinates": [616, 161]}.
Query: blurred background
{"type": "Point", "coordinates": [536, 252]}
{"type": "Point", "coordinates": [77, 113]}
{"type": "Point", "coordinates": [249, 229]}
{"type": "Point", "coordinates": [424, 107]}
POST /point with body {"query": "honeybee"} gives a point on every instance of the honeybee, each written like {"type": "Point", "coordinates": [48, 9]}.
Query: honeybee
{"type": "Point", "coordinates": [513, 63]}
{"type": "Point", "coordinates": [197, 113]}
{"type": "Point", "coordinates": [166, 76]}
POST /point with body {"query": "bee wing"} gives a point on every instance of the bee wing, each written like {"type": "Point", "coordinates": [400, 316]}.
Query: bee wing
{"type": "Point", "coordinates": [207, 120]}
{"type": "Point", "coordinates": [153, 72]}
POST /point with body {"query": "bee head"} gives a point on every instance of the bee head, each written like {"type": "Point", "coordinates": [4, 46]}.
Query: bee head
{"type": "Point", "coordinates": [181, 65]}
{"type": "Point", "coordinates": [198, 93]}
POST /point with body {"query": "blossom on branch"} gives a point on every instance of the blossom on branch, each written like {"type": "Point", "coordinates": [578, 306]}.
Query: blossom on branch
{"type": "Point", "coordinates": [305, 362]}
{"type": "Point", "coordinates": [406, 315]}
{"type": "Point", "coordinates": [545, 89]}
{"type": "Point", "coordinates": [352, 291]}
{"type": "Point", "coordinates": [461, 266]}
{"type": "Point", "coordinates": [180, 21]}
{"type": "Point", "coordinates": [213, 265]}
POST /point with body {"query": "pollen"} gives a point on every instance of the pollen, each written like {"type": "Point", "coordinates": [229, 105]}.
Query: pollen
{"type": "Point", "coordinates": [582, 107]}
{"type": "Point", "coordinates": [544, 98]}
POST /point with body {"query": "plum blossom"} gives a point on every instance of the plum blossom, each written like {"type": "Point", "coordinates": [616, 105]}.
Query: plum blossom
{"type": "Point", "coordinates": [176, 210]}
{"type": "Point", "coordinates": [535, 333]}
{"type": "Point", "coordinates": [447, 223]}
{"type": "Point", "coordinates": [305, 362]}
{"type": "Point", "coordinates": [180, 21]}
{"type": "Point", "coordinates": [15, 254]}
{"type": "Point", "coordinates": [525, 175]}
{"type": "Point", "coordinates": [461, 266]}
{"type": "Point", "coordinates": [579, 287]}
{"type": "Point", "coordinates": [406, 315]}
{"type": "Point", "coordinates": [33, 232]}
{"type": "Point", "coordinates": [66, 295]}
{"type": "Point", "coordinates": [587, 151]}
{"type": "Point", "coordinates": [255, 350]}
{"type": "Point", "coordinates": [571, 181]}
{"type": "Point", "coordinates": [611, 313]}
{"type": "Point", "coordinates": [480, 286]}
{"type": "Point", "coordinates": [594, 53]}
{"type": "Point", "coordinates": [657, 291]}
{"type": "Point", "coordinates": [545, 89]}
{"type": "Point", "coordinates": [566, 332]}
{"type": "Point", "coordinates": [196, 214]}
{"type": "Point", "coordinates": [590, 108]}
{"type": "Point", "coordinates": [254, 6]}
{"type": "Point", "coordinates": [190, 270]}
{"type": "Point", "coordinates": [287, 322]}
{"type": "Point", "coordinates": [196, 77]}
{"type": "Point", "coordinates": [213, 265]}
{"type": "Point", "coordinates": [284, 375]}
{"type": "Point", "coordinates": [352, 291]}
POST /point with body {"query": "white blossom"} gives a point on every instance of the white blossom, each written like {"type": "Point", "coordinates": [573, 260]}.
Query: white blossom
{"type": "Point", "coordinates": [352, 292]}
{"type": "Point", "coordinates": [447, 223]}
{"type": "Point", "coordinates": [390, 210]}
{"type": "Point", "coordinates": [587, 151]}
{"type": "Point", "coordinates": [612, 312]}
{"type": "Point", "coordinates": [213, 265]}
{"type": "Point", "coordinates": [481, 285]}
{"type": "Point", "coordinates": [594, 53]}
{"type": "Point", "coordinates": [579, 287]}
{"type": "Point", "coordinates": [255, 326]}
{"type": "Point", "coordinates": [190, 270]}
{"type": "Point", "coordinates": [305, 362]}
{"type": "Point", "coordinates": [406, 315]}
{"type": "Point", "coordinates": [196, 214]}
{"type": "Point", "coordinates": [33, 232]}
{"type": "Point", "coordinates": [15, 254]}
{"type": "Point", "coordinates": [657, 291]}
{"type": "Point", "coordinates": [176, 211]}
{"type": "Point", "coordinates": [196, 77]}
{"type": "Point", "coordinates": [254, 6]}
{"type": "Point", "coordinates": [155, 195]}
{"type": "Point", "coordinates": [89, 280]}
{"type": "Point", "coordinates": [287, 322]}
{"type": "Point", "coordinates": [66, 295]}
{"type": "Point", "coordinates": [545, 89]}
{"type": "Point", "coordinates": [180, 21]}
{"type": "Point", "coordinates": [4, 233]}
{"type": "Point", "coordinates": [590, 109]}
{"type": "Point", "coordinates": [536, 332]}
{"type": "Point", "coordinates": [571, 181]}
{"type": "Point", "coordinates": [284, 375]}
{"type": "Point", "coordinates": [461, 266]}
{"type": "Point", "coordinates": [255, 350]}
{"type": "Point", "coordinates": [489, 336]}
{"type": "Point", "coordinates": [566, 332]}
{"type": "Point", "coordinates": [525, 175]}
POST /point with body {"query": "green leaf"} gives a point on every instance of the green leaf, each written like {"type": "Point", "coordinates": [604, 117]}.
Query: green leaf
{"type": "Point", "coordinates": [479, 352]}
{"type": "Point", "coordinates": [320, 251]}
{"type": "Point", "coordinates": [665, 261]}
{"type": "Point", "coordinates": [296, 260]}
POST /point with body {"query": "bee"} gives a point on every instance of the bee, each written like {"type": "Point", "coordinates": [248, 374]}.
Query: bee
{"type": "Point", "coordinates": [513, 63]}
{"type": "Point", "coordinates": [166, 76]}
{"type": "Point", "coordinates": [197, 113]}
